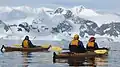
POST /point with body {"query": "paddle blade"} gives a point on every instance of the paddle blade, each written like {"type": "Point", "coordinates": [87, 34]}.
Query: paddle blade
{"type": "Point", "coordinates": [100, 51]}
{"type": "Point", "coordinates": [56, 48]}
{"type": "Point", "coordinates": [45, 45]}
{"type": "Point", "coordinates": [17, 45]}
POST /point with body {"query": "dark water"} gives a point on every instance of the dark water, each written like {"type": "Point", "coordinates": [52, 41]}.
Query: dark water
{"type": "Point", "coordinates": [44, 59]}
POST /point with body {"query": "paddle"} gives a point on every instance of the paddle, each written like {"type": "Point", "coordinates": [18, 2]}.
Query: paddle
{"type": "Point", "coordinates": [56, 48]}
{"type": "Point", "coordinates": [17, 45]}
{"type": "Point", "coordinates": [59, 49]}
{"type": "Point", "coordinates": [98, 51]}
{"type": "Point", "coordinates": [53, 48]}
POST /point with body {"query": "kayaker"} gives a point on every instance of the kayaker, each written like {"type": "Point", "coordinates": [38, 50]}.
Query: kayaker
{"type": "Point", "coordinates": [92, 45]}
{"type": "Point", "coordinates": [76, 45]}
{"type": "Point", "coordinates": [27, 43]}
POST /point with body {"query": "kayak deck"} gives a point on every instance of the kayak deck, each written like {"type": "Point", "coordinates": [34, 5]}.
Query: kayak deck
{"type": "Point", "coordinates": [9, 49]}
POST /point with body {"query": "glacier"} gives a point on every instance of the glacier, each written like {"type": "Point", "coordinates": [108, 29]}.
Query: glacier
{"type": "Point", "coordinates": [57, 24]}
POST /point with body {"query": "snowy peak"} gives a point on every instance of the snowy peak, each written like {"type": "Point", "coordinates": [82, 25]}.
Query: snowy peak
{"type": "Point", "coordinates": [6, 13]}
{"type": "Point", "coordinates": [16, 14]}
{"type": "Point", "coordinates": [25, 9]}
{"type": "Point", "coordinates": [13, 15]}
{"type": "Point", "coordinates": [82, 11]}
{"type": "Point", "coordinates": [59, 10]}
{"type": "Point", "coordinates": [5, 9]}
{"type": "Point", "coordinates": [42, 17]}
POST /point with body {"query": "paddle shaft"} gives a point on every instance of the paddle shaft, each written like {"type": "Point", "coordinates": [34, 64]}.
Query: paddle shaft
{"type": "Point", "coordinates": [86, 49]}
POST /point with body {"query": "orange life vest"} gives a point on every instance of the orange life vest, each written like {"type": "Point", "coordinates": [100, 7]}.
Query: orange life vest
{"type": "Point", "coordinates": [74, 42]}
{"type": "Point", "coordinates": [25, 44]}
{"type": "Point", "coordinates": [90, 44]}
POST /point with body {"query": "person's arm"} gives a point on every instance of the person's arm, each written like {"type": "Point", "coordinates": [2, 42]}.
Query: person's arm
{"type": "Point", "coordinates": [87, 46]}
{"type": "Point", "coordinates": [30, 44]}
{"type": "Point", "coordinates": [70, 46]}
{"type": "Point", "coordinates": [81, 44]}
{"type": "Point", "coordinates": [96, 46]}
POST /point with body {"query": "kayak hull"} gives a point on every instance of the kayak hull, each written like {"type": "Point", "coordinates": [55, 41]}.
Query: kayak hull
{"type": "Point", "coordinates": [79, 55]}
{"type": "Point", "coordinates": [36, 49]}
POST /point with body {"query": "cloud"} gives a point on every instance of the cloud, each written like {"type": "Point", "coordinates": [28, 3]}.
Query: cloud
{"type": "Point", "coordinates": [97, 4]}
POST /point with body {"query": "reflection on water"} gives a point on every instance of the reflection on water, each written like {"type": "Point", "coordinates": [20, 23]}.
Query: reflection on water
{"type": "Point", "coordinates": [76, 62]}
{"type": "Point", "coordinates": [26, 58]}
{"type": "Point", "coordinates": [84, 61]}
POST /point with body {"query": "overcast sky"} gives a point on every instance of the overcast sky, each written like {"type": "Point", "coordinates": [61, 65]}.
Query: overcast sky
{"type": "Point", "coordinates": [93, 4]}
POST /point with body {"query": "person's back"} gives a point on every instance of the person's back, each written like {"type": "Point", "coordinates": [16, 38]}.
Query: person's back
{"type": "Point", "coordinates": [92, 45]}
{"type": "Point", "coordinates": [27, 43]}
{"type": "Point", "coordinates": [76, 45]}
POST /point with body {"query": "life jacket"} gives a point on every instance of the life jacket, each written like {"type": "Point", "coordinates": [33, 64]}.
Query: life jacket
{"type": "Point", "coordinates": [25, 44]}
{"type": "Point", "coordinates": [91, 44]}
{"type": "Point", "coordinates": [74, 42]}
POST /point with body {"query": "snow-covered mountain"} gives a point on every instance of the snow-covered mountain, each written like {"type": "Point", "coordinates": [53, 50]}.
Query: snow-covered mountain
{"type": "Point", "coordinates": [58, 23]}
{"type": "Point", "coordinates": [3, 27]}
{"type": "Point", "coordinates": [14, 14]}
{"type": "Point", "coordinates": [21, 12]}
{"type": "Point", "coordinates": [82, 11]}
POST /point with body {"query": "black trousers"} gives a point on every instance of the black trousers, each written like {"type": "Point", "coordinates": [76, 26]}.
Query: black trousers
{"type": "Point", "coordinates": [76, 49]}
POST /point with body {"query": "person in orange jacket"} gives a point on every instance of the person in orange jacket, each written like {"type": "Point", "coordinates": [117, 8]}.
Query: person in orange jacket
{"type": "Point", "coordinates": [27, 43]}
{"type": "Point", "coordinates": [92, 45]}
{"type": "Point", "coordinates": [76, 45]}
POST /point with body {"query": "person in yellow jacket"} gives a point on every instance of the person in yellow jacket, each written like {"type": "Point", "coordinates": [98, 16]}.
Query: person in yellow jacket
{"type": "Point", "coordinates": [76, 45]}
{"type": "Point", "coordinates": [27, 43]}
{"type": "Point", "coordinates": [92, 45]}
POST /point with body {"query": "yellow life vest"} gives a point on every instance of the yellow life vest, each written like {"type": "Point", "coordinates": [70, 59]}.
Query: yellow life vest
{"type": "Point", "coordinates": [90, 44]}
{"type": "Point", "coordinates": [74, 42]}
{"type": "Point", "coordinates": [25, 44]}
